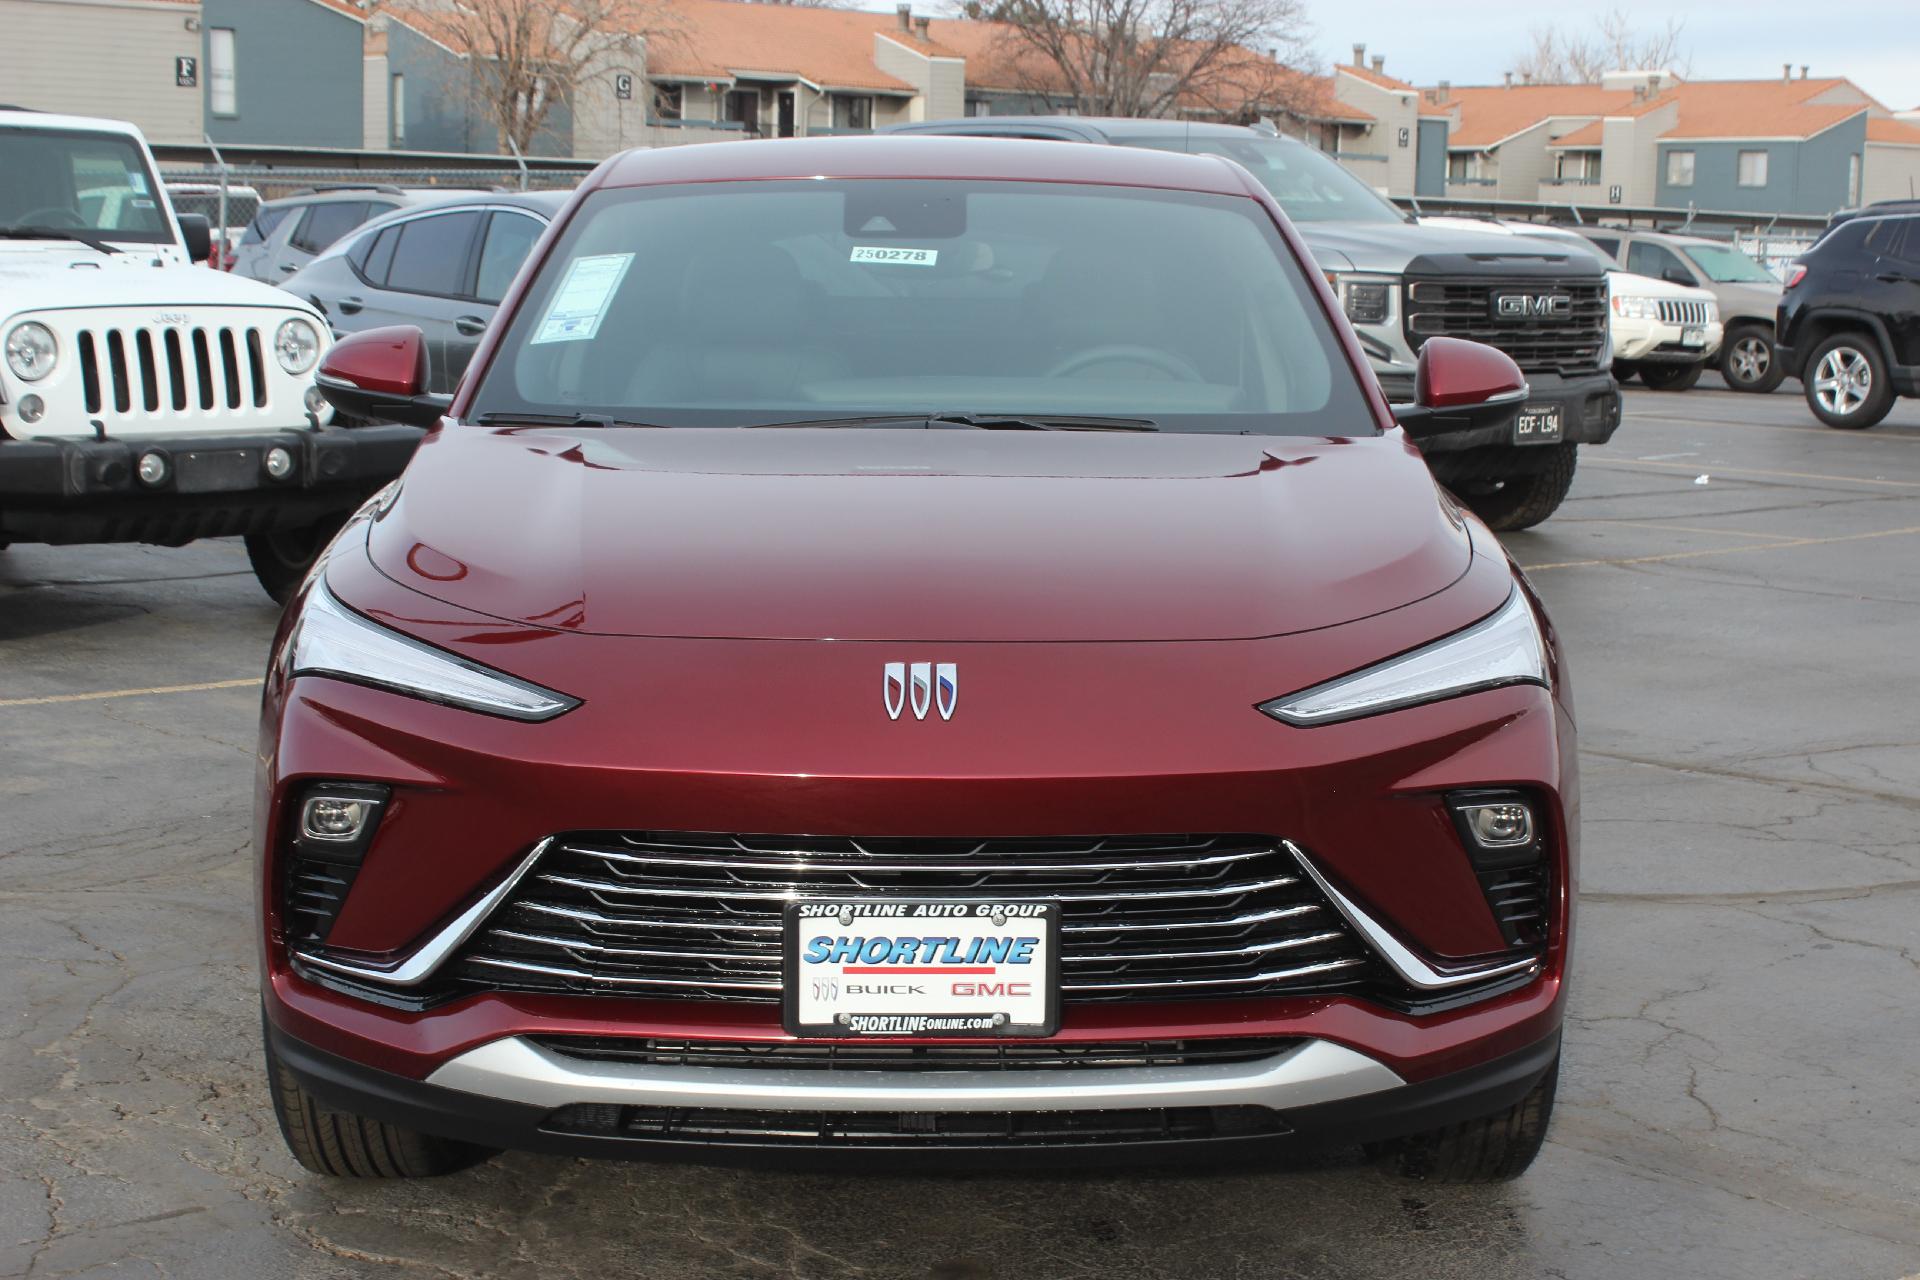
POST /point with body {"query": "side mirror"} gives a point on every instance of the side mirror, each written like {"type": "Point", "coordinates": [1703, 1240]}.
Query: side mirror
{"type": "Point", "coordinates": [380, 375]}
{"type": "Point", "coordinates": [1462, 386]}
{"type": "Point", "coordinates": [198, 234]}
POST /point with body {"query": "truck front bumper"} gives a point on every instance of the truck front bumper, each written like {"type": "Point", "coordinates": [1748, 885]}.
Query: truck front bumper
{"type": "Point", "coordinates": [1589, 410]}
{"type": "Point", "coordinates": [72, 491]}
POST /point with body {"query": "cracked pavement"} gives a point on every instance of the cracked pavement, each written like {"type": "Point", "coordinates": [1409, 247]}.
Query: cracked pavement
{"type": "Point", "coordinates": [1739, 1092]}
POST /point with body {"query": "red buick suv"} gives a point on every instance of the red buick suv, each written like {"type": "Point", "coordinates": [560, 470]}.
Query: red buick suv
{"type": "Point", "coordinates": [915, 647]}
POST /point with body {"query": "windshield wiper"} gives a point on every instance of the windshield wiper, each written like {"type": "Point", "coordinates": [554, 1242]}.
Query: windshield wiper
{"type": "Point", "coordinates": [88, 238]}
{"type": "Point", "coordinates": [1044, 422]}
{"type": "Point", "coordinates": [555, 420]}
{"type": "Point", "coordinates": [983, 421]}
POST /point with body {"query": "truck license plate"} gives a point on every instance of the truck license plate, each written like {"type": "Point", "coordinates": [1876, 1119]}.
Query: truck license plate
{"type": "Point", "coordinates": [1539, 424]}
{"type": "Point", "coordinates": [887, 967]}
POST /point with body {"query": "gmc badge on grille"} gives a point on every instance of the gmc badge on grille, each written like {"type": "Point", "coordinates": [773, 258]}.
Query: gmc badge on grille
{"type": "Point", "coordinates": [1532, 306]}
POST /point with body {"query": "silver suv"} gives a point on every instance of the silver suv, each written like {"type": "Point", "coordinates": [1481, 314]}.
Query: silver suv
{"type": "Point", "coordinates": [286, 234]}
{"type": "Point", "coordinates": [1747, 292]}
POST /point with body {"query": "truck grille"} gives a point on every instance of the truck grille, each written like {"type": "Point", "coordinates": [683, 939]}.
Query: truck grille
{"type": "Point", "coordinates": [1570, 341]}
{"type": "Point", "coordinates": [698, 916]}
{"type": "Point", "coordinates": [1679, 311]}
{"type": "Point", "coordinates": [175, 369]}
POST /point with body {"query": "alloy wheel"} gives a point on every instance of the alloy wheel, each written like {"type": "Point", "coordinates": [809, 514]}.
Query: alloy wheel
{"type": "Point", "coordinates": [1752, 357]}
{"type": "Point", "coordinates": [1842, 381]}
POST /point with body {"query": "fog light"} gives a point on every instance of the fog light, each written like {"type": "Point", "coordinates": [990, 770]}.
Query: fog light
{"type": "Point", "coordinates": [153, 469]}
{"type": "Point", "coordinates": [316, 400]}
{"type": "Point", "coordinates": [335, 819]}
{"type": "Point", "coordinates": [1499, 826]}
{"type": "Point", "coordinates": [279, 463]}
{"type": "Point", "coordinates": [32, 408]}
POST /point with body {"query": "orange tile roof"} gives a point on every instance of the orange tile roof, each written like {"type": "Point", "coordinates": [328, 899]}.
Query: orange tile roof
{"type": "Point", "coordinates": [1491, 114]}
{"type": "Point", "coordinates": [1751, 108]}
{"type": "Point", "coordinates": [833, 48]}
{"type": "Point", "coordinates": [1587, 135]}
{"type": "Point", "coordinates": [1375, 78]}
{"type": "Point", "coordinates": [1881, 129]}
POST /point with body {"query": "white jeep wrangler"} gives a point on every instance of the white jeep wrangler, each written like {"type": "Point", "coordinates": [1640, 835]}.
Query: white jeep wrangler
{"type": "Point", "coordinates": [142, 398]}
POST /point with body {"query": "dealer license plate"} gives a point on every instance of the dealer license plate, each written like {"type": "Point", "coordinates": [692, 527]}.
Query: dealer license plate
{"type": "Point", "coordinates": [885, 967]}
{"type": "Point", "coordinates": [1539, 424]}
{"type": "Point", "coordinates": [1693, 337]}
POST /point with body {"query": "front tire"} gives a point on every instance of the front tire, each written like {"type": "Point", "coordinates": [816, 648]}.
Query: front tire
{"type": "Point", "coordinates": [1746, 361]}
{"type": "Point", "coordinates": [1522, 500]}
{"type": "Point", "coordinates": [1495, 1148]}
{"type": "Point", "coordinates": [339, 1144]}
{"type": "Point", "coordinates": [1623, 370]}
{"type": "Point", "coordinates": [281, 559]}
{"type": "Point", "coordinates": [1670, 377]}
{"type": "Point", "coordinates": [1846, 382]}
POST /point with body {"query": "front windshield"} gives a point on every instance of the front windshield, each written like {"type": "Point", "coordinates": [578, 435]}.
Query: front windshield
{"type": "Point", "coordinates": [1310, 185]}
{"type": "Point", "coordinates": [748, 303]}
{"type": "Point", "coordinates": [1727, 265]}
{"type": "Point", "coordinates": [72, 180]}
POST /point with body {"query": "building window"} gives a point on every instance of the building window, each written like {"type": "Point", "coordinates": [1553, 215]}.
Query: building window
{"type": "Point", "coordinates": [1464, 166]}
{"type": "Point", "coordinates": [1753, 168]}
{"type": "Point", "coordinates": [853, 113]}
{"type": "Point", "coordinates": [221, 97]}
{"type": "Point", "coordinates": [397, 108]}
{"type": "Point", "coordinates": [979, 107]}
{"type": "Point", "coordinates": [669, 100]}
{"type": "Point", "coordinates": [1578, 166]}
{"type": "Point", "coordinates": [1679, 168]}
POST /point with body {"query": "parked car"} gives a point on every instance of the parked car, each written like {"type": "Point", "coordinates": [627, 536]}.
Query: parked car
{"type": "Point", "coordinates": [141, 400]}
{"type": "Point", "coordinates": [1849, 321]}
{"type": "Point", "coordinates": [1663, 333]}
{"type": "Point", "coordinates": [286, 234]}
{"type": "Point", "coordinates": [582, 831]}
{"type": "Point", "coordinates": [241, 205]}
{"type": "Point", "coordinates": [1401, 283]}
{"type": "Point", "coordinates": [443, 267]}
{"type": "Point", "coordinates": [1747, 293]}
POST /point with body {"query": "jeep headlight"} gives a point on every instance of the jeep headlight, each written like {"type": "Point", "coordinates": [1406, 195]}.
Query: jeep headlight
{"type": "Point", "coordinates": [296, 345]}
{"type": "Point", "coordinates": [1501, 649]}
{"type": "Point", "coordinates": [1633, 307]}
{"type": "Point", "coordinates": [31, 351]}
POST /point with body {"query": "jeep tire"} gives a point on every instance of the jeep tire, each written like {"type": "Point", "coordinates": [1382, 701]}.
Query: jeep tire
{"type": "Point", "coordinates": [282, 558]}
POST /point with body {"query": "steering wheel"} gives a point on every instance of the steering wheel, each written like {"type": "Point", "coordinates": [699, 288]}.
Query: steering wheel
{"type": "Point", "coordinates": [51, 216]}
{"type": "Point", "coordinates": [1173, 365]}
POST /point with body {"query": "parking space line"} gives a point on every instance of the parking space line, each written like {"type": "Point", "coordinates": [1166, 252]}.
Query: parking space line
{"type": "Point", "coordinates": [1685, 528]}
{"type": "Point", "coordinates": [1725, 551]}
{"type": "Point", "coordinates": [1708, 469]}
{"type": "Point", "coordinates": [130, 693]}
{"type": "Point", "coordinates": [1828, 432]}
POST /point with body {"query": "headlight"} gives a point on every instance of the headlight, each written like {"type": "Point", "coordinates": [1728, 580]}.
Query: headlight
{"type": "Point", "coordinates": [333, 641]}
{"type": "Point", "coordinates": [296, 344]}
{"type": "Point", "coordinates": [1505, 648]}
{"type": "Point", "coordinates": [1365, 300]}
{"type": "Point", "coordinates": [1713, 312]}
{"type": "Point", "coordinates": [1635, 308]}
{"type": "Point", "coordinates": [31, 351]}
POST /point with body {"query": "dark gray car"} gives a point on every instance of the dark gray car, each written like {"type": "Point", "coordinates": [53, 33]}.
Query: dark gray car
{"type": "Point", "coordinates": [443, 267]}
{"type": "Point", "coordinates": [284, 235]}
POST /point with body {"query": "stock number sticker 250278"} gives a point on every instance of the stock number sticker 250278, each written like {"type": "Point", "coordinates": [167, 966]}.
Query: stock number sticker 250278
{"type": "Point", "coordinates": [905, 968]}
{"type": "Point", "coordinates": [894, 257]}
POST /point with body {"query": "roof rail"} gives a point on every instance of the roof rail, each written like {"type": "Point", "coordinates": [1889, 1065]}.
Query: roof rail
{"type": "Point", "coordinates": [385, 188]}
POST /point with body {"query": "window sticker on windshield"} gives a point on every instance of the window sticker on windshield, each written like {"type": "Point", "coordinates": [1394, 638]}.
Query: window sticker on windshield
{"type": "Point", "coordinates": [138, 181]}
{"type": "Point", "coordinates": [581, 301]}
{"type": "Point", "coordinates": [895, 257]}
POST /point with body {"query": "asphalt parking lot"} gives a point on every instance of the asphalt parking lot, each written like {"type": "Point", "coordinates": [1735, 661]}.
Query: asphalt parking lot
{"type": "Point", "coordinates": [1738, 588]}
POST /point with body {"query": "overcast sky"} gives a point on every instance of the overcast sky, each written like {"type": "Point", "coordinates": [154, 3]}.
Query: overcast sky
{"type": "Point", "coordinates": [1875, 43]}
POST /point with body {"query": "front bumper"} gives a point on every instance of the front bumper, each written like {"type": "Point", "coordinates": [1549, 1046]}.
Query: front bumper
{"type": "Point", "coordinates": [1655, 342]}
{"type": "Point", "coordinates": [1589, 402]}
{"type": "Point", "coordinates": [68, 491]}
{"type": "Point", "coordinates": [514, 1094]}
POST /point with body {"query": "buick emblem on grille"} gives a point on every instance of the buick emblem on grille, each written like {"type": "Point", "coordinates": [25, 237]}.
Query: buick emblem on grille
{"type": "Point", "coordinates": [1532, 306]}
{"type": "Point", "coordinates": [923, 686]}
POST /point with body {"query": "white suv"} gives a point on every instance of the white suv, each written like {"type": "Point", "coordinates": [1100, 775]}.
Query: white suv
{"type": "Point", "coordinates": [144, 400]}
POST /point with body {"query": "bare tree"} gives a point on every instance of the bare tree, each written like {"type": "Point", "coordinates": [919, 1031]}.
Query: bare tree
{"type": "Point", "coordinates": [1152, 57]}
{"type": "Point", "coordinates": [1560, 55]}
{"type": "Point", "coordinates": [528, 56]}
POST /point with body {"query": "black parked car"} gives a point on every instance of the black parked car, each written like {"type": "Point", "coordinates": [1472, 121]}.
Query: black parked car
{"type": "Point", "coordinates": [444, 268]}
{"type": "Point", "coordinates": [1849, 321]}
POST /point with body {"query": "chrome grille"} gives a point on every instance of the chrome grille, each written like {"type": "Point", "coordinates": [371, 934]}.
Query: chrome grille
{"type": "Point", "coordinates": [126, 371]}
{"type": "Point", "coordinates": [1681, 311]}
{"type": "Point", "coordinates": [698, 916]}
{"type": "Point", "coordinates": [1464, 308]}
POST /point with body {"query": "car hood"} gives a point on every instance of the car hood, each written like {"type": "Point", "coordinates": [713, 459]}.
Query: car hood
{"type": "Point", "coordinates": [1390, 248]}
{"type": "Point", "coordinates": [960, 535]}
{"type": "Point", "coordinates": [1629, 284]}
{"type": "Point", "coordinates": [1760, 300]}
{"type": "Point", "coordinates": [63, 279]}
